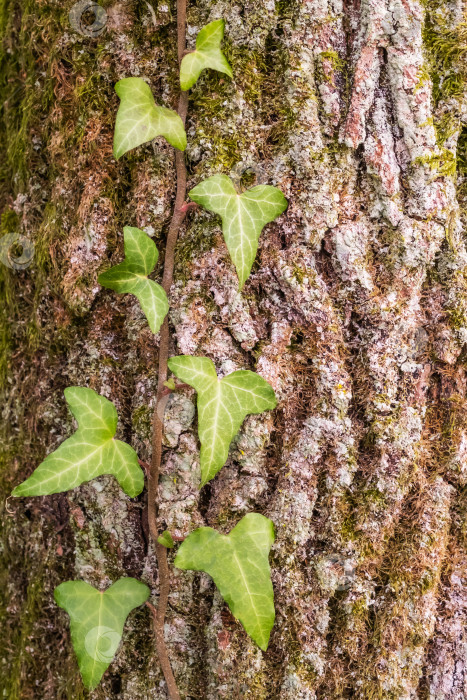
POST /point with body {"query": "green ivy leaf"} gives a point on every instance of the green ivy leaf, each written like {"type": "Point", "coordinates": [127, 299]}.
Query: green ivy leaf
{"type": "Point", "coordinates": [139, 119]}
{"type": "Point", "coordinates": [97, 620]}
{"type": "Point", "coordinates": [238, 563]}
{"type": "Point", "coordinates": [130, 276]}
{"type": "Point", "coordinates": [166, 540]}
{"type": "Point", "coordinates": [208, 54]}
{"type": "Point", "coordinates": [243, 216]}
{"type": "Point", "coordinates": [222, 406]}
{"type": "Point", "coordinates": [88, 453]}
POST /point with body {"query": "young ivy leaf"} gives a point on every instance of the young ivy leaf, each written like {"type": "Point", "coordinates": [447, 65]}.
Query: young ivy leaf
{"type": "Point", "coordinates": [222, 406]}
{"type": "Point", "coordinates": [208, 54]}
{"type": "Point", "coordinates": [139, 119]}
{"type": "Point", "coordinates": [90, 452]}
{"type": "Point", "coordinates": [130, 276]}
{"type": "Point", "coordinates": [238, 563]}
{"type": "Point", "coordinates": [97, 620]}
{"type": "Point", "coordinates": [166, 540]}
{"type": "Point", "coordinates": [243, 216]}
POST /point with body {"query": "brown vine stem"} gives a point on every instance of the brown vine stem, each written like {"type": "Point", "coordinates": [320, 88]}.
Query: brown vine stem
{"type": "Point", "coordinates": [153, 480]}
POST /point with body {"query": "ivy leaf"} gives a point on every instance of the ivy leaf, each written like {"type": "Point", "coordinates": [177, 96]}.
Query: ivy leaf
{"type": "Point", "coordinates": [139, 119]}
{"type": "Point", "coordinates": [130, 276]}
{"type": "Point", "coordinates": [97, 620]}
{"type": "Point", "coordinates": [222, 406]}
{"type": "Point", "coordinates": [243, 216]}
{"type": "Point", "coordinates": [166, 540]}
{"type": "Point", "coordinates": [238, 563]}
{"type": "Point", "coordinates": [88, 453]}
{"type": "Point", "coordinates": [208, 54]}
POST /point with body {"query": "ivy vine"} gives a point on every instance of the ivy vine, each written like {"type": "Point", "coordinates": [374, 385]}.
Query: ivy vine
{"type": "Point", "coordinates": [238, 562]}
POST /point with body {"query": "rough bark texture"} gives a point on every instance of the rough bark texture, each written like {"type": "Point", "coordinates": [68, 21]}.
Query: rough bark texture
{"type": "Point", "coordinates": [356, 312]}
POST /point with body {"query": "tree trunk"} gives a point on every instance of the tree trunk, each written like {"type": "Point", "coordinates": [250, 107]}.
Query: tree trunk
{"type": "Point", "coordinates": [355, 312]}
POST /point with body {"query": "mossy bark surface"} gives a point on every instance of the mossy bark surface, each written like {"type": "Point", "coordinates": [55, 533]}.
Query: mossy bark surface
{"type": "Point", "coordinates": [355, 312]}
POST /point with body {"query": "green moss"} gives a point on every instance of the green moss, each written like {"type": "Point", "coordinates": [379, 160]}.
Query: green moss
{"type": "Point", "coordinates": [257, 687]}
{"type": "Point", "coordinates": [334, 58]}
{"type": "Point", "coordinates": [200, 238]}
{"type": "Point", "coordinates": [360, 608]}
{"type": "Point", "coordinates": [8, 309]}
{"type": "Point", "coordinates": [348, 529]}
{"type": "Point", "coordinates": [462, 172]}
{"type": "Point", "coordinates": [446, 52]}
{"type": "Point", "coordinates": [28, 616]}
{"type": "Point", "coordinates": [141, 421]}
{"type": "Point", "coordinates": [336, 62]}
{"type": "Point", "coordinates": [298, 274]}
{"type": "Point", "coordinates": [22, 74]}
{"type": "Point", "coordinates": [446, 126]}
{"type": "Point", "coordinates": [374, 495]}
{"type": "Point", "coordinates": [423, 78]}
{"type": "Point", "coordinates": [213, 99]}
{"type": "Point", "coordinates": [288, 10]}
{"type": "Point", "coordinates": [456, 318]}
{"type": "Point", "coordinates": [427, 581]}
{"type": "Point", "coordinates": [20, 125]}
{"type": "Point", "coordinates": [9, 222]}
{"type": "Point", "coordinates": [443, 164]}
{"type": "Point", "coordinates": [461, 515]}
{"type": "Point", "coordinates": [260, 87]}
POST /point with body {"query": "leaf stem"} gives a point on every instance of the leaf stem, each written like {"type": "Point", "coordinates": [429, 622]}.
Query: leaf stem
{"type": "Point", "coordinates": [153, 480]}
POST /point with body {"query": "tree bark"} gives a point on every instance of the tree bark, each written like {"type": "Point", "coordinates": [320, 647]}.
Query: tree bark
{"type": "Point", "coordinates": [355, 312]}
